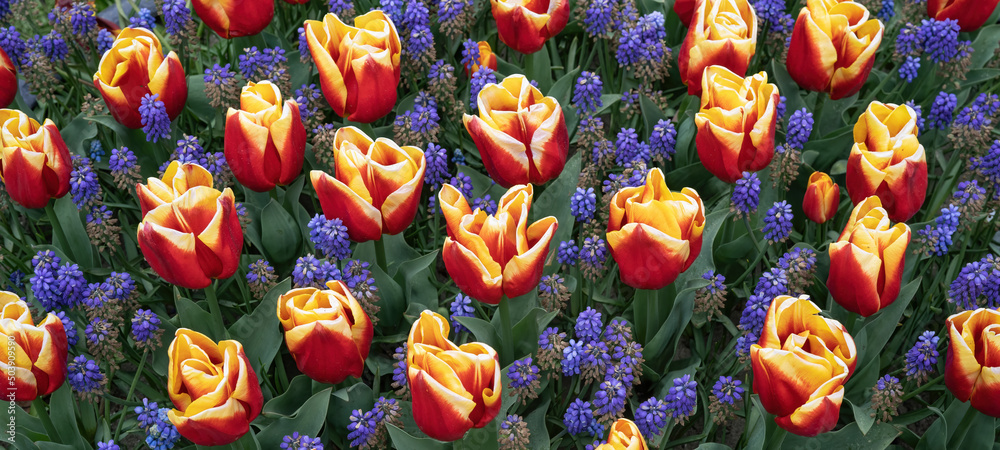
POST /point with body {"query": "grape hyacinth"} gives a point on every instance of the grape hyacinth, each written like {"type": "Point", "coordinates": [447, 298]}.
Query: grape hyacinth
{"type": "Point", "coordinates": [778, 222]}
{"type": "Point", "coordinates": [296, 441]}
{"type": "Point", "coordinates": [922, 358]}
{"type": "Point", "coordinates": [886, 398]}
{"type": "Point", "coordinates": [579, 418]}
{"type": "Point", "coordinates": [461, 307]}
{"type": "Point", "coordinates": [86, 378]}
{"type": "Point", "coordinates": [583, 204]}
{"type": "Point", "coordinates": [746, 195]}
{"type": "Point", "coordinates": [651, 417]}
{"type": "Point", "coordinates": [587, 92]}
{"type": "Point", "coordinates": [942, 111]}
{"type": "Point", "coordinates": [977, 285]}
{"type": "Point", "coordinates": [682, 398]}
{"type": "Point", "coordinates": [329, 236]}
{"type": "Point", "coordinates": [663, 140]}
{"type": "Point", "coordinates": [155, 121]}
{"type": "Point", "coordinates": [524, 376]}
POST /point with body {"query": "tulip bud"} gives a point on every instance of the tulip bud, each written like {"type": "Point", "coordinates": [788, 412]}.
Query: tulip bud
{"type": "Point", "coordinates": [34, 163]}
{"type": "Point", "coordinates": [972, 365]}
{"type": "Point", "coordinates": [736, 123]}
{"type": "Point", "coordinates": [38, 352]}
{"type": "Point", "coordinates": [486, 59]}
{"type": "Point", "coordinates": [134, 67]}
{"type": "Point", "coordinates": [821, 199]}
{"type": "Point", "coordinates": [235, 18]}
{"type": "Point", "coordinates": [521, 134]}
{"type": "Point", "coordinates": [265, 139]}
{"type": "Point", "coordinates": [358, 66]}
{"type": "Point", "coordinates": [525, 26]}
{"type": "Point", "coordinates": [376, 187]}
{"type": "Point", "coordinates": [970, 14]}
{"type": "Point", "coordinates": [800, 366]}
{"type": "Point", "coordinates": [833, 47]}
{"type": "Point", "coordinates": [213, 387]}
{"type": "Point", "coordinates": [8, 80]}
{"type": "Point", "coordinates": [721, 33]}
{"type": "Point", "coordinates": [177, 179]}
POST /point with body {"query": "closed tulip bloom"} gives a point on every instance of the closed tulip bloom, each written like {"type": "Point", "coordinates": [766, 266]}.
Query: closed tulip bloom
{"type": "Point", "coordinates": [526, 25]}
{"type": "Point", "coordinates": [35, 163]}
{"type": "Point", "coordinates": [833, 47]}
{"type": "Point", "coordinates": [177, 179]}
{"type": "Point", "coordinates": [521, 134]}
{"type": "Point", "coordinates": [721, 33]}
{"type": "Point", "coordinates": [624, 435]}
{"type": "Point", "coordinates": [888, 161]}
{"type": "Point", "coordinates": [376, 186]}
{"type": "Point", "coordinates": [972, 369]}
{"type": "Point", "coordinates": [194, 238]}
{"type": "Point", "coordinates": [134, 67]}
{"type": "Point", "coordinates": [327, 331]}
{"type": "Point", "coordinates": [455, 387]}
{"type": "Point", "coordinates": [265, 139]}
{"type": "Point", "coordinates": [800, 366]}
{"type": "Point", "coordinates": [970, 14]}
{"type": "Point", "coordinates": [213, 387]}
{"type": "Point", "coordinates": [37, 351]}
{"type": "Point", "coordinates": [235, 18]}
{"type": "Point", "coordinates": [654, 234]}
{"type": "Point", "coordinates": [866, 261]}
{"type": "Point", "coordinates": [486, 59]}
{"type": "Point", "coordinates": [358, 66]}
{"type": "Point", "coordinates": [489, 257]}
{"type": "Point", "coordinates": [736, 123]}
{"type": "Point", "coordinates": [685, 10]}
{"type": "Point", "coordinates": [8, 80]}
{"type": "Point", "coordinates": [821, 199]}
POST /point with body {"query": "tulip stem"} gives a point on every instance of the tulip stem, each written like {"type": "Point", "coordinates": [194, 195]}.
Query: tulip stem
{"type": "Point", "coordinates": [506, 340]}
{"type": "Point", "coordinates": [963, 427]}
{"type": "Point", "coordinates": [380, 256]}
{"type": "Point", "coordinates": [213, 307]}
{"type": "Point", "coordinates": [131, 390]}
{"type": "Point", "coordinates": [922, 388]}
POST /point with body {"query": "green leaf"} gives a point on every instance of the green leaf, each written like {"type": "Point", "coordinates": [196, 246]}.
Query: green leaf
{"type": "Point", "coordinates": [260, 332]}
{"type": "Point", "coordinates": [650, 113]}
{"type": "Point", "coordinates": [879, 437]}
{"type": "Point", "coordinates": [289, 401]}
{"type": "Point", "coordinates": [391, 299]}
{"type": "Point", "coordinates": [554, 201]}
{"type": "Point", "coordinates": [279, 233]}
{"type": "Point", "coordinates": [863, 416]}
{"type": "Point", "coordinates": [308, 420]}
{"type": "Point", "coordinates": [343, 401]}
{"type": "Point", "coordinates": [539, 437]}
{"type": "Point", "coordinates": [562, 90]}
{"type": "Point", "coordinates": [539, 68]}
{"type": "Point", "coordinates": [197, 101]}
{"type": "Point", "coordinates": [78, 131]}
{"type": "Point", "coordinates": [482, 330]}
{"type": "Point", "coordinates": [194, 317]}
{"type": "Point", "coordinates": [74, 239]}
{"type": "Point", "coordinates": [401, 439]}
{"type": "Point", "coordinates": [63, 413]}
{"type": "Point", "coordinates": [414, 276]}
{"type": "Point", "coordinates": [484, 438]}
{"type": "Point", "coordinates": [880, 326]}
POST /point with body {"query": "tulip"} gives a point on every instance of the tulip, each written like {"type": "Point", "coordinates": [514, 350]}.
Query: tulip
{"type": "Point", "coordinates": [970, 14]}
{"type": "Point", "coordinates": [213, 388]}
{"type": "Point", "coordinates": [866, 261]}
{"type": "Point", "coordinates": [821, 199]}
{"type": "Point", "coordinates": [38, 352]}
{"type": "Point", "coordinates": [972, 369]}
{"type": "Point", "coordinates": [235, 18]}
{"type": "Point", "coordinates": [327, 331]}
{"type": "Point", "coordinates": [134, 67]}
{"type": "Point", "coordinates": [358, 66]}
{"type": "Point", "coordinates": [489, 257]}
{"type": "Point", "coordinates": [521, 134]}
{"type": "Point", "coordinates": [800, 366]}
{"type": "Point", "coordinates": [721, 32]}
{"type": "Point", "coordinates": [35, 164]}
{"type": "Point", "coordinates": [265, 139]}
{"type": "Point", "coordinates": [833, 47]}
{"type": "Point", "coordinates": [8, 80]}
{"type": "Point", "coordinates": [685, 10]}
{"type": "Point", "coordinates": [736, 123]}
{"type": "Point", "coordinates": [376, 188]}
{"type": "Point", "coordinates": [486, 59]}
{"type": "Point", "coordinates": [654, 234]}
{"type": "Point", "coordinates": [177, 179]}
{"type": "Point", "coordinates": [526, 25]}
{"type": "Point", "coordinates": [195, 237]}
{"type": "Point", "coordinates": [624, 435]}
{"type": "Point", "coordinates": [455, 387]}
{"type": "Point", "coordinates": [888, 161]}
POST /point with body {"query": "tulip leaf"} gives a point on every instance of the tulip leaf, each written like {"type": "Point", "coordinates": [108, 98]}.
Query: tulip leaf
{"type": "Point", "coordinates": [413, 276]}
{"type": "Point", "coordinates": [484, 438]}
{"type": "Point", "coordinates": [985, 44]}
{"type": "Point", "coordinates": [538, 67]}
{"type": "Point", "coordinates": [881, 325]}
{"type": "Point", "coordinates": [651, 113]}
{"type": "Point", "coordinates": [539, 433]}
{"type": "Point", "coordinates": [194, 317]}
{"type": "Point", "coordinates": [289, 401]}
{"type": "Point", "coordinates": [391, 299]}
{"type": "Point", "coordinates": [260, 332]}
{"type": "Point", "coordinates": [308, 420]}
{"type": "Point", "coordinates": [562, 90]}
{"type": "Point", "coordinates": [482, 329]}
{"type": "Point", "coordinates": [346, 400]}
{"type": "Point", "coordinates": [197, 100]}
{"type": "Point", "coordinates": [280, 234]}
{"type": "Point", "coordinates": [402, 439]}
{"type": "Point", "coordinates": [553, 202]}
{"type": "Point", "coordinates": [63, 412]}
{"type": "Point", "coordinates": [863, 416]}
{"type": "Point", "coordinates": [78, 131]}
{"type": "Point", "coordinates": [73, 240]}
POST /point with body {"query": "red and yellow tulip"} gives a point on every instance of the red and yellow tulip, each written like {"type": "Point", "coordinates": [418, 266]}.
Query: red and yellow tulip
{"type": "Point", "coordinates": [455, 387]}
{"type": "Point", "coordinates": [489, 257]}
{"type": "Point", "coordinates": [972, 368]}
{"type": "Point", "coordinates": [265, 139]}
{"type": "Point", "coordinates": [970, 14]}
{"type": "Point", "coordinates": [135, 66]}
{"type": "Point", "coordinates": [8, 80]}
{"type": "Point", "coordinates": [888, 161]}
{"type": "Point", "coordinates": [358, 66]}
{"type": "Point", "coordinates": [526, 25]}
{"type": "Point", "coordinates": [327, 331]}
{"type": "Point", "coordinates": [521, 134]}
{"type": "Point", "coordinates": [721, 33]}
{"type": "Point", "coordinates": [654, 234]}
{"type": "Point", "coordinates": [685, 10]}
{"type": "Point", "coordinates": [486, 59]}
{"type": "Point", "coordinates": [800, 366]}
{"type": "Point", "coordinates": [821, 199]}
{"type": "Point", "coordinates": [866, 262]}
{"type": "Point", "coordinates": [833, 47]}
{"type": "Point", "coordinates": [34, 164]}
{"type": "Point", "coordinates": [376, 187]}
{"type": "Point", "coordinates": [624, 435]}
{"type": "Point", "coordinates": [235, 18]}
{"type": "Point", "coordinates": [213, 387]}
{"type": "Point", "coordinates": [736, 123]}
{"type": "Point", "coordinates": [177, 179]}
{"type": "Point", "coordinates": [38, 351]}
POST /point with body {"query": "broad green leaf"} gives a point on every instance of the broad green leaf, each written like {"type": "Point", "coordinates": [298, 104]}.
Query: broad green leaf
{"type": "Point", "coordinates": [279, 234]}
{"type": "Point", "coordinates": [308, 420]}
{"type": "Point", "coordinates": [260, 332]}
{"type": "Point", "coordinates": [401, 439]}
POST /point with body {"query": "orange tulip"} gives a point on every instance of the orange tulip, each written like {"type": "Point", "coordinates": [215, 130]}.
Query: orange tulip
{"type": "Point", "coordinates": [265, 139]}
{"type": "Point", "coordinates": [455, 387]}
{"type": "Point", "coordinates": [235, 18]}
{"type": "Point", "coordinates": [736, 123]}
{"type": "Point", "coordinates": [685, 10]}
{"type": "Point", "coordinates": [489, 257]}
{"type": "Point", "coordinates": [624, 435]}
{"type": "Point", "coordinates": [194, 237]}
{"type": "Point", "coordinates": [38, 351]}
{"type": "Point", "coordinates": [213, 388]}
{"type": "Point", "coordinates": [521, 134]}
{"type": "Point", "coordinates": [888, 161]}
{"type": "Point", "coordinates": [326, 331]}
{"type": "Point", "coordinates": [654, 234]}
{"type": "Point", "coordinates": [833, 47]}
{"type": "Point", "coordinates": [135, 66]}
{"type": "Point", "coordinates": [970, 14]}
{"type": "Point", "coordinates": [866, 262]}
{"type": "Point", "coordinates": [800, 366]}
{"type": "Point", "coordinates": [177, 179]}
{"type": "Point", "coordinates": [35, 163]}
{"type": "Point", "coordinates": [358, 66]}
{"type": "Point", "coordinates": [721, 33]}
{"type": "Point", "coordinates": [526, 25]}
{"type": "Point", "coordinates": [972, 369]}
{"type": "Point", "coordinates": [486, 59]}
{"type": "Point", "coordinates": [821, 199]}
{"type": "Point", "coordinates": [377, 185]}
{"type": "Point", "coordinates": [8, 80]}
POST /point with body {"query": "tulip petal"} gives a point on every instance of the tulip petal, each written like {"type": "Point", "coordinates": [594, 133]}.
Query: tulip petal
{"type": "Point", "coordinates": [363, 221]}
{"type": "Point", "coordinates": [522, 272]}
{"type": "Point", "coordinates": [816, 416]}
{"type": "Point", "coordinates": [170, 253]}
{"type": "Point", "coordinates": [647, 258]}
{"type": "Point", "coordinates": [470, 273]}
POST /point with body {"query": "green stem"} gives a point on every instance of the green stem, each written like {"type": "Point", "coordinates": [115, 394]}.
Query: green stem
{"type": "Point", "coordinates": [963, 428]}
{"type": "Point", "coordinates": [507, 339]}
{"type": "Point", "coordinates": [776, 438]}
{"type": "Point", "coordinates": [922, 388]}
{"type": "Point", "coordinates": [213, 307]}
{"type": "Point", "coordinates": [753, 237]}
{"type": "Point", "coordinates": [131, 390]}
{"type": "Point", "coordinates": [380, 255]}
